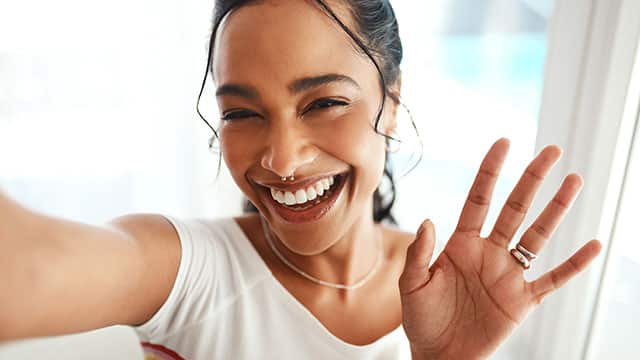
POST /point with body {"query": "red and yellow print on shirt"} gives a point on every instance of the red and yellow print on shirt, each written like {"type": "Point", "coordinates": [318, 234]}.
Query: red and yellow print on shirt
{"type": "Point", "coordinates": [158, 352]}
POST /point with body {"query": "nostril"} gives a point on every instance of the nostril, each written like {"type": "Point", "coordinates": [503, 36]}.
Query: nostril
{"type": "Point", "coordinates": [285, 159]}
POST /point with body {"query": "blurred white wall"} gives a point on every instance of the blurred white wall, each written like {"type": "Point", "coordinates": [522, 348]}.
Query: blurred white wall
{"type": "Point", "coordinates": [97, 119]}
{"type": "Point", "coordinates": [97, 116]}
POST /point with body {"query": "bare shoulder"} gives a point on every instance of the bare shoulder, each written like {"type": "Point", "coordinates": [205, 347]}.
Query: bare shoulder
{"type": "Point", "coordinates": [146, 227]}
{"type": "Point", "coordinates": [160, 252]}
{"type": "Point", "coordinates": [396, 241]}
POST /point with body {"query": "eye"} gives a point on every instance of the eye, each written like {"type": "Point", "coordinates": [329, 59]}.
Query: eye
{"type": "Point", "coordinates": [325, 104]}
{"type": "Point", "coordinates": [237, 114]}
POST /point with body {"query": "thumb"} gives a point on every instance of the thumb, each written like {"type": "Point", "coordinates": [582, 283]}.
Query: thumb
{"type": "Point", "coordinates": [416, 267]}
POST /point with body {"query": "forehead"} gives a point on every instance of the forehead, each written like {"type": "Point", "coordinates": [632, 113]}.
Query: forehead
{"type": "Point", "coordinates": [283, 40]}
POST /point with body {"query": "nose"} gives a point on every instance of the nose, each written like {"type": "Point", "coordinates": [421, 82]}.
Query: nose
{"type": "Point", "coordinates": [287, 150]}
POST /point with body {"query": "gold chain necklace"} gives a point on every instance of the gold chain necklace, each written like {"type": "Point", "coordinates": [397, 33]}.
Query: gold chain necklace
{"type": "Point", "coordinates": [353, 286]}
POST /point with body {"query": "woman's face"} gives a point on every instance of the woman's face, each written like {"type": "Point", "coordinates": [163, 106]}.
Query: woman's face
{"type": "Point", "coordinates": [296, 96]}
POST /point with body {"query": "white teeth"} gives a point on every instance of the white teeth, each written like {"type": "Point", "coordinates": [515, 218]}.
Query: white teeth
{"type": "Point", "coordinates": [301, 196]}
{"type": "Point", "coordinates": [311, 193]}
{"type": "Point", "coordinates": [289, 199]}
{"type": "Point", "coordinates": [277, 196]}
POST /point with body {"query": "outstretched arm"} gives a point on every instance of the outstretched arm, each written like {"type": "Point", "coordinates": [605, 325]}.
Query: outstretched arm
{"type": "Point", "coordinates": [60, 276]}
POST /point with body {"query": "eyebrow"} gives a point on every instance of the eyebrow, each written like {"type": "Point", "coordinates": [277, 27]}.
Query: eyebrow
{"type": "Point", "coordinates": [295, 87]}
{"type": "Point", "coordinates": [312, 82]}
{"type": "Point", "coordinates": [237, 90]}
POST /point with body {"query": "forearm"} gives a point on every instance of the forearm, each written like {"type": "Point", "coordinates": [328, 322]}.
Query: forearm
{"type": "Point", "coordinates": [17, 252]}
{"type": "Point", "coordinates": [60, 276]}
{"type": "Point", "coordinates": [52, 268]}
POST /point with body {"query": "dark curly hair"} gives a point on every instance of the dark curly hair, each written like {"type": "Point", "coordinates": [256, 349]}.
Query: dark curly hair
{"type": "Point", "coordinates": [377, 37]}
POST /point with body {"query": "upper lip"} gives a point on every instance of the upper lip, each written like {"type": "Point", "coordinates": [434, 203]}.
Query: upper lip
{"type": "Point", "coordinates": [296, 184]}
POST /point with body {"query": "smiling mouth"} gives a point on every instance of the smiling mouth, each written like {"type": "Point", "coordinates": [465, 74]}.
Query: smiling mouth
{"type": "Point", "coordinates": [308, 203]}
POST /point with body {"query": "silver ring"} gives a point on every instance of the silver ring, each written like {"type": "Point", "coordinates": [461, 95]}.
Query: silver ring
{"type": "Point", "coordinates": [522, 259]}
{"type": "Point", "coordinates": [530, 255]}
{"type": "Point", "coordinates": [291, 178]}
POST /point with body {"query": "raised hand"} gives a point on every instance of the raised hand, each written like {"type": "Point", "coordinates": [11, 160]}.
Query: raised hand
{"type": "Point", "coordinates": [474, 294]}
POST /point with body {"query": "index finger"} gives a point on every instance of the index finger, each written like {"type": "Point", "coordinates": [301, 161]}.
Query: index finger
{"type": "Point", "coordinates": [476, 207]}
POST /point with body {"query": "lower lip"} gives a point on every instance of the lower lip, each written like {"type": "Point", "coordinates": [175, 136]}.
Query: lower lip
{"type": "Point", "coordinates": [311, 214]}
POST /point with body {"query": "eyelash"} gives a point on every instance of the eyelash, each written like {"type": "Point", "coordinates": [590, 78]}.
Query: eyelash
{"type": "Point", "coordinates": [326, 101]}
{"type": "Point", "coordinates": [233, 115]}
{"type": "Point", "coordinates": [316, 105]}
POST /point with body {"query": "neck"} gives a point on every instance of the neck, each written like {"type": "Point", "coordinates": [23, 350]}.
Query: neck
{"type": "Point", "coordinates": [348, 258]}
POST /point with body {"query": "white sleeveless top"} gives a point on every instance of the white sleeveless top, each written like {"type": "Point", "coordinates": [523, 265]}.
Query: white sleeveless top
{"type": "Point", "coordinates": [226, 304]}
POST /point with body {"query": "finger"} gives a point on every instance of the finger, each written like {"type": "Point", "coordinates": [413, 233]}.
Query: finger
{"type": "Point", "coordinates": [519, 201]}
{"type": "Point", "coordinates": [416, 267]}
{"type": "Point", "coordinates": [476, 206]}
{"type": "Point", "coordinates": [547, 222]}
{"type": "Point", "coordinates": [557, 277]}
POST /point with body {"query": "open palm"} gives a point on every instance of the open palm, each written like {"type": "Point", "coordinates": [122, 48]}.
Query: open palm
{"type": "Point", "coordinates": [474, 294]}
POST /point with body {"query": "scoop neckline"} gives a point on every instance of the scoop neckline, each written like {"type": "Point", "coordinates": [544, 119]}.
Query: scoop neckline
{"type": "Point", "coordinates": [300, 307]}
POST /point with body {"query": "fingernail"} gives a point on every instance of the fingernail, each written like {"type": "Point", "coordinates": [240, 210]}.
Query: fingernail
{"type": "Point", "coordinates": [422, 226]}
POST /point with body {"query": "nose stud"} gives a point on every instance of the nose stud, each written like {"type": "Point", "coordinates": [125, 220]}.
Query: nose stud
{"type": "Point", "coordinates": [291, 178]}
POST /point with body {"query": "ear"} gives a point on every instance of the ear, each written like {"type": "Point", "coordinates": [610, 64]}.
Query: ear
{"type": "Point", "coordinates": [390, 121]}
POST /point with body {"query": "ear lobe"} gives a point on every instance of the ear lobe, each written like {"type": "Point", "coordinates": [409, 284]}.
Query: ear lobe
{"type": "Point", "coordinates": [390, 122]}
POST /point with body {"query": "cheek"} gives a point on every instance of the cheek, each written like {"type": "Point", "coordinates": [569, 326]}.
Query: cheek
{"type": "Point", "coordinates": [240, 143]}
{"type": "Point", "coordinates": [354, 140]}
{"type": "Point", "coordinates": [238, 153]}
{"type": "Point", "coordinates": [361, 144]}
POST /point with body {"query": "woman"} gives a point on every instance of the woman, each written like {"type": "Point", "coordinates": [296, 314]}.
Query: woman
{"type": "Point", "coordinates": [308, 93]}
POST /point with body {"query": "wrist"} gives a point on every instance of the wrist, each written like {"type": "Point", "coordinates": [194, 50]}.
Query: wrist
{"type": "Point", "coordinates": [422, 354]}
{"type": "Point", "coordinates": [418, 354]}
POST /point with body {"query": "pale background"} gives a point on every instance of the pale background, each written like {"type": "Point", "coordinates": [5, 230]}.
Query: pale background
{"type": "Point", "coordinates": [97, 119]}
